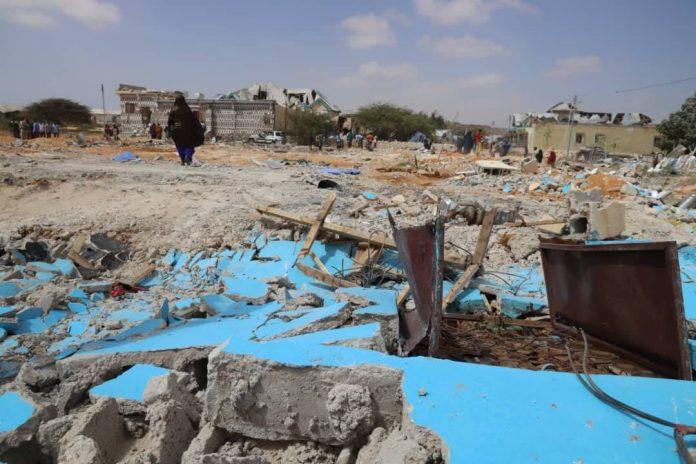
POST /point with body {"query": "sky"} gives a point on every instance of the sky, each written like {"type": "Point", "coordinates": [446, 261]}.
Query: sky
{"type": "Point", "coordinates": [474, 61]}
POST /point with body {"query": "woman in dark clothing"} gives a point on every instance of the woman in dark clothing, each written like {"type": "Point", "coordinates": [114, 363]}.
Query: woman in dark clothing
{"type": "Point", "coordinates": [185, 130]}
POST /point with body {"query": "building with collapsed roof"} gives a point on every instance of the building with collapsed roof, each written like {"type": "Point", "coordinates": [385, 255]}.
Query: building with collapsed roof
{"type": "Point", "coordinates": [294, 99]}
{"type": "Point", "coordinates": [617, 133]}
{"type": "Point", "coordinates": [230, 118]}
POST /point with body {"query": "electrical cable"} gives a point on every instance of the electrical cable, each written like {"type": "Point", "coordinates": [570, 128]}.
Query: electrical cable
{"type": "Point", "coordinates": [680, 430]}
{"type": "Point", "coordinates": [693, 78]}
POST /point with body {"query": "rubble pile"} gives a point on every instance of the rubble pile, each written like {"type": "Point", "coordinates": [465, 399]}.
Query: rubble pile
{"type": "Point", "coordinates": [289, 344]}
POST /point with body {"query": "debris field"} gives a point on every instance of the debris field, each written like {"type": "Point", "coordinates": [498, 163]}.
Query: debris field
{"type": "Point", "coordinates": [283, 305]}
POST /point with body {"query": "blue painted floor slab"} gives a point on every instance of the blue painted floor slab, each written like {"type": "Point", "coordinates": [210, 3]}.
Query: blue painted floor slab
{"type": "Point", "coordinates": [131, 384]}
{"type": "Point", "coordinates": [14, 411]}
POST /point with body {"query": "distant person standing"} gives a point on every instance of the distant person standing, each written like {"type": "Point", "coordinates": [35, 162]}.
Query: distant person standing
{"type": "Point", "coordinates": [467, 142]}
{"type": "Point", "coordinates": [551, 160]}
{"type": "Point", "coordinates": [23, 129]}
{"type": "Point", "coordinates": [186, 130]}
{"type": "Point", "coordinates": [152, 131]}
{"type": "Point", "coordinates": [504, 147]}
{"type": "Point", "coordinates": [370, 141]}
{"type": "Point", "coordinates": [538, 155]}
{"type": "Point", "coordinates": [158, 131]}
{"type": "Point", "coordinates": [47, 129]}
{"type": "Point", "coordinates": [55, 129]}
{"type": "Point", "coordinates": [349, 138]}
{"type": "Point", "coordinates": [478, 140]}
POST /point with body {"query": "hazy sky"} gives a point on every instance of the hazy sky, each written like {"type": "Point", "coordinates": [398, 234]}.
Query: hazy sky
{"type": "Point", "coordinates": [476, 60]}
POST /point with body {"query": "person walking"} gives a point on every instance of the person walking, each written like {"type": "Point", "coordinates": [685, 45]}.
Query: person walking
{"type": "Point", "coordinates": [186, 130]}
{"type": "Point", "coordinates": [538, 155]}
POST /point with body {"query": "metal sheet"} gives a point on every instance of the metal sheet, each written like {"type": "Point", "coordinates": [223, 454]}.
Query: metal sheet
{"type": "Point", "coordinates": [625, 296]}
{"type": "Point", "coordinates": [418, 254]}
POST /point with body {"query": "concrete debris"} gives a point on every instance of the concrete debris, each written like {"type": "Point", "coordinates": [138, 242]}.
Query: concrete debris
{"type": "Point", "coordinates": [135, 329]}
{"type": "Point", "coordinates": [607, 222]}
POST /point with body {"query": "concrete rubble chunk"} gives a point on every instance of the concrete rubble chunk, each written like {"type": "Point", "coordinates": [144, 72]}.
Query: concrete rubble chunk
{"type": "Point", "coordinates": [173, 387]}
{"type": "Point", "coordinates": [81, 449]}
{"type": "Point", "coordinates": [170, 432]}
{"type": "Point", "coordinates": [104, 427]}
{"type": "Point", "coordinates": [530, 167]}
{"type": "Point", "coordinates": [208, 440]}
{"type": "Point", "coordinates": [607, 222]}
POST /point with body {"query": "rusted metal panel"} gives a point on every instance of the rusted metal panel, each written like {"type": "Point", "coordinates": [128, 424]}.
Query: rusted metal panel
{"type": "Point", "coordinates": [625, 296]}
{"type": "Point", "coordinates": [419, 253]}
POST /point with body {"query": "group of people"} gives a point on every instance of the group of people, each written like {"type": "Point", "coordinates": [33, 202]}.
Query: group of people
{"type": "Point", "coordinates": [111, 131]}
{"type": "Point", "coordinates": [550, 159]}
{"type": "Point", "coordinates": [155, 130]}
{"type": "Point", "coordinates": [347, 139]}
{"type": "Point", "coordinates": [25, 130]}
{"type": "Point", "coordinates": [470, 142]}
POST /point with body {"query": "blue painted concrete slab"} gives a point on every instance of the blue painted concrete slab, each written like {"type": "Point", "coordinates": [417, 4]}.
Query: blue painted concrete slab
{"type": "Point", "coordinates": [29, 313]}
{"type": "Point", "coordinates": [335, 256]}
{"type": "Point", "coordinates": [78, 294]}
{"type": "Point", "coordinates": [130, 315]}
{"type": "Point", "coordinates": [7, 311]}
{"type": "Point", "coordinates": [469, 300]}
{"type": "Point", "coordinates": [384, 300]}
{"type": "Point", "coordinates": [186, 303]}
{"type": "Point", "coordinates": [3, 334]}
{"type": "Point", "coordinates": [247, 288]}
{"type": "Point", "coordinates": [42, 266]}
{"type": "Point", "coordinates": [131, 384]}
{"type": "Point", "coordinates": [515, 306]}
{"type": "Point", "coordinates": [276, 327]}
{"type": "Point", "coordinates": [9, 289]}
{"type": "Point", "coordinates": [76, 328]}
{"type": "Point", "coordinates": [15, 411]}
{"type": "Point", "coordinates": [79, 308]}
{"type": "Point", "coordinates": [46, 276]}
{"type": "Point", "coordinates": [369, 195]}
{"type": "Point", "coordinates": [66, 267]}
{"type": "Point", "coordinates": [221, 304]}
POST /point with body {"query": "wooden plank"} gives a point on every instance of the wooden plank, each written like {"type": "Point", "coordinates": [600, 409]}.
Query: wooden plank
{"type": "Point", "coordinates": [377, 238]}
{"type": "Point", "coordinates": [484, 236]}
{"type": "Point", "coordinates": [78, 243]}
{"type": "Point", "coordinates": [80, 261]}
{"type": "Point", "coordinates": [316, 225]}
{"type": "Point", "coordinates": [318, 262]}
{"type": "Point", "coordinates": [355, 212]}
{"type": "Point", "coordinates": [460, 284]}
{"type": "Point", "coordinates": [502, 320]}
{"type": "Point", "coordinates": [534, 223]}
{"type": "Point", "coordinates": [403, 294]}
{"type": "Point", "coordinates": [144, 272]}
{"type": "Point", "coordinates": [328, 279]}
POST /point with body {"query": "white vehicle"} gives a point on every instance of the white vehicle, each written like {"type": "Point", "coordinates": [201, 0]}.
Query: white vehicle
{"type": "Point", "coordinates": [269, 137]}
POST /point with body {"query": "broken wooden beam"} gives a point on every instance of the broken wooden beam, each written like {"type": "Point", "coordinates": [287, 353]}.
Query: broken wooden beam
{"type": "Point", "coordinates": [144, 272]}
{"type": "Point", "coordinates": [484, 236]}
{"type": "Point", "coordinates": [323, 277]}
{"type": "Point", "coordinates": [376, 238]}
{"type": "Point", "coordinates": [316, 226]}
{"type": "Point", "coordinates": [355, 212]}
{"type": "Point", "coordinates": [461, 283]}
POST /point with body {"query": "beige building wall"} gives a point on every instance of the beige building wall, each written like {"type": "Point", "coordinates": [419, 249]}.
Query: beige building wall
{"type": "Point", "coordinates": [614, 139]}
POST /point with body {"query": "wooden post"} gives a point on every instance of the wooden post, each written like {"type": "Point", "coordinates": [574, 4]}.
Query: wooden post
{"type": "Point", "coordinates": [316, 226]}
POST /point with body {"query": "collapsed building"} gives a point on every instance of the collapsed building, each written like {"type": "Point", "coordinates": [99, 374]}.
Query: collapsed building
{"type": "Point", "coordinates": [294, 99]}
{"type": "Point", "coordinates": [617, 133]}
{"type": "Point", "coordinates": [234, 119]}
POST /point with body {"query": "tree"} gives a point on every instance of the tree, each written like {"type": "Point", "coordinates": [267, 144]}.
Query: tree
{"type": "Point", "coordinates": [679, 127]}
{"type": "Point", "coordinates": [305, 125]}
{"type": "Point", "coordinates": [388, 121]}
{"type": "Point", "coordinates": [59, 110]}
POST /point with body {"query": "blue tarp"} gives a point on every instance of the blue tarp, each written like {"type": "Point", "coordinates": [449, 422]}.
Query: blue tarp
{"type": "Point", "coordinates": [126, 156]}
{"type": "Point", "coordinates": [338, 172]}
{"type": "Point", "coordinates": [418, 137]}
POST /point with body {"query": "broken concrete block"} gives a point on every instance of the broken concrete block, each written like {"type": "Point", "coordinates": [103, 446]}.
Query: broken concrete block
{"type": "Point", "coordinates": [607, 222]}
{"type": "Point", "coordinates": [170, 431]}
{"type": "Point", "coordinates": [81, 449]}
{"type": "Point", "coordinates": [104, 426]}
{"type": "Point", "coordinates": [242, 397]}
{"type": "Point", "coordinates": [629, 189]}
{"type": "Point", "coordinates": [173, 386]}
{"type": "Point", "coordinates": [667, 198]}
{"type": "Point", "coordinates": [555, 229]}
{"type": "Point", "coordinates": [208, 440]}
{"type": "Point", "coordinates": [50, 433]}
{"type": "Point", "coordinates": [530, 167]}
{"type": "Point", "coordinates": [398, 199]}
{"type": "Point", "coordinates": [400, 447]}
{"type": "Point", "coordinates": [594, 195]}
{"type": "Point", "coordinates": [38, 378]}
{"type": "Point", "coordinates": [93, 287]}
{"type": "Point", "coordinates": [534, 186]}
{"type": "Point", "coordinates": [351, 411]}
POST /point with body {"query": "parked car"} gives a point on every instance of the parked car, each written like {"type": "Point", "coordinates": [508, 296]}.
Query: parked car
{"type": "Point", "coordinates": [269, 137]}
